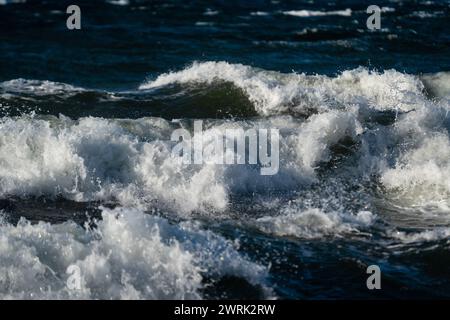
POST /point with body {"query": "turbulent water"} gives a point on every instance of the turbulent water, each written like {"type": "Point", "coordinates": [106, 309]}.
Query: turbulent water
{"type": "Point", "coordinates": [87, 177]}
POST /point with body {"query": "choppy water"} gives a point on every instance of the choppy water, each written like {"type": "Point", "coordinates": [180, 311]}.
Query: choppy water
{"type": "Point", "coordinates": [87, 177]}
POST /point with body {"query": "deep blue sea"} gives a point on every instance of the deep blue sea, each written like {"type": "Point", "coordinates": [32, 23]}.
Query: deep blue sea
{"type": "Point", "coordinates": [88, 180]}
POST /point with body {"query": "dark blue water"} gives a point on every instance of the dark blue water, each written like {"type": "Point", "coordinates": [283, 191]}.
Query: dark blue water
{"type": "Point", "coordinates": [118, 46]}
{"type": "Point", "coordinates": [364, 175]}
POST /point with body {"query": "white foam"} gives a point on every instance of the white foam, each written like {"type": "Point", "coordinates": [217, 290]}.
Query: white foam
{"type": "Point", "coordinates": [131, 161]}
{"type": "Point", "coordinates": [98, 159]}
{"type": "Point", "coordinates": [5, 2]}
{"type": "Point", "coordinates": [422, 236]}
{"type": "Point", "coordinates": [119, 2]}
{"type": "Point", "coordinates": [259, 13]}
{"type": "Point", "coordinates": [131, 255]}
{"type": "Point", "coordinates": [312, 13]}
{"type": "Point", "coordinates": [438, 84]}
{"type": "Point", "coordinates": [37, 87]}
{"type": "Point", "coordinates": [313, 223]}
{"type": "Point", "coordinates": [387, 9]}
{"type": "Point", "coordinates": [321, 132]}
{"type": "Point", "coordinates": [422, 175]}
{"type": "Point", "coordinates": [273, 92]}
{"type": "Point", "coordinates": [426, 14]}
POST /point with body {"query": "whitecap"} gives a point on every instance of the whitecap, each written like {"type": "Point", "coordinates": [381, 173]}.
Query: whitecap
{"type": "Point", "coordinates": [311, 13]}
{"type": "Point", "coordinates": [130, 255]}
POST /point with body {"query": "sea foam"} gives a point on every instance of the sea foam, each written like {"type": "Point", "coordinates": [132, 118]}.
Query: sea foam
{"type": "Point", "coordinates": [129, 255]}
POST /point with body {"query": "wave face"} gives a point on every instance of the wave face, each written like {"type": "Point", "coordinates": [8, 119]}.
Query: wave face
{"type": "Point", "coordinates": [88, 180]}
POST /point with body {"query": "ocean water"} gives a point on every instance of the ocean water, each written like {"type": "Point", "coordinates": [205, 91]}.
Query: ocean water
{"type": "Point", "coordinates": [87, 178]}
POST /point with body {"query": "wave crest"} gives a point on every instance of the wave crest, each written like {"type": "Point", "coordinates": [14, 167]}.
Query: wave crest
{"type": "Point", "coordinates": [275, 93]}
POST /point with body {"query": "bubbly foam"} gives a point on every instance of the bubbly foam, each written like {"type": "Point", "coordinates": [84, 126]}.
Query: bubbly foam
{"type": "Point", "coordinates": [274, 93]}
{"type": "Point", "coordinates": [37, 87]}
{"type": "Point", "coordinates": [422, 174]}
{"type": "Point", "coordinates": [423, 236]}
{"type": "Point", "coordinates": [259, 13]}
{"type": "Point", "coordinates": [313, 223]}
{"type": "Point", "coordinates": [119, 2]}
{"type": "Point", "coordinates": [97, 159]}
{"type": "Point", "coordinates": [130, 255]}
{"type": "Point", "coordinates": [5, 2]}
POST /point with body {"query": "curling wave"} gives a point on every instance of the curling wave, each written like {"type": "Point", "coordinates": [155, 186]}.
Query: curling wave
{"type": "Point", "coordinates": [129, 255]}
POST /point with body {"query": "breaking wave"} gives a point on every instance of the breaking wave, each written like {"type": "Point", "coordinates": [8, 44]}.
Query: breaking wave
{"type": "Point", "coordinates": [385, 132]}
{"type": "Point", "coordinates": [129, 255]}
{"type": "Point", "coordinates": [275, 93]}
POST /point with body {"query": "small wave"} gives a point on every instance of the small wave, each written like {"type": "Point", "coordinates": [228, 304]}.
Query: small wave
{"type": "Point", "coordinates": [387, 9]}
{"type": "Point", "coordinates": [314, 223]}
{"type": "Point", "coordinates": [222, 100]}
{"type": "Point", "coordinates": [311, 13]}
{"type": "Point", "coordinates": [422, 175]}
{"type": "Point", "coordinates": [425, 14]}
{"type": "Point", "coordinates": [37, 87]}
{"type": "Point", "coordinates": [314, 34]}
